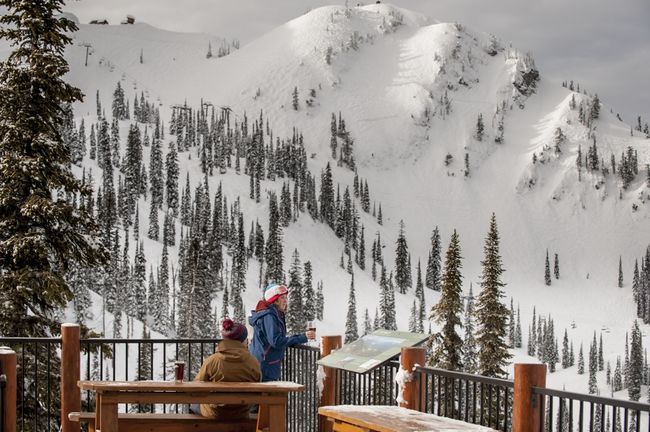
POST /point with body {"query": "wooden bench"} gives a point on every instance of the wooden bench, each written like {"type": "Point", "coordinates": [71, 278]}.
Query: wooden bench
{"type": "Point", "coordinates": [378, 418]}
{"type": "Point", "coordinates": [149, 422]}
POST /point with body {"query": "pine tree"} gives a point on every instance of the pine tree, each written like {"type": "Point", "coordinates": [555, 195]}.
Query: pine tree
{"type": "Point", "coordinates": [320, 301]}
{"type": "Point", "coordinates": [620, 272]}
{"type": "Point", "coordinates": [296, 321]}
{"type": "Point", "coordinates": [273, 258]}
{"type": "Point", "coordinates": [367, 324]}
{"type": "Point", "coordinates": [547, 271]}
{"type": "Point", "coordinates": [413, 318]}
{"type": "Point", "coordinates": [556, 267]}
{"type": "Point", "coordinates": [387, 303]}
{"type": "Point", "coordinates": [402, 265]}
{"type": "Point", "coordinates": [419, 294]}
{"type": "Point", "coordinates": [294, 99]}
{"type": "Point", "coordinates": [617, 380]}
{"type": "Point", "coordinates": [492, 315]}
{"type": "Point", "coordinates": [518, 342]}
{"type": "Point", "coordinates": [480, 128]}
{"type": "Point", "coordinates": [581, 362]}
{"type": "Point", "coordinates": [447, 352]}
{"type": "Point", "coordinates": [634, 374]}
{"type": "Point", "coordinates": [351, 325]}
{"type": "Point", "coordinates": [565, 350]}
{"type": "Point", "coordinates": [32, 98]}
{"type": "Point", "coordinates": [469, 342]}
{"type": "Point", "coordinates": [171, 181]}
{"type": "Point", "coordinates": [309, 297]}
{"type": "Point", "coordinates": [432, 278]}
{"type": "Point", "coordinates": [511, 325]}
{"type": "Point", "coordinates": [601, 359]}
{"type": "Point", "coordinates": [593, 366]}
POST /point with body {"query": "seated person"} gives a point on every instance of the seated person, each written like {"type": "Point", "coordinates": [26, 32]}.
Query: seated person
{"type": "Point", "coordinates": [231, 362]}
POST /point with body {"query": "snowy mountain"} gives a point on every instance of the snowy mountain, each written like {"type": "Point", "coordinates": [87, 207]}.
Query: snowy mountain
{"type": "Point", "coordinates": [410, 91]}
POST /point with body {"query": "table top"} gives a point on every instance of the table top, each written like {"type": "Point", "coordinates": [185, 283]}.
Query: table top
{"type": "Point", "coordinates": [191, 386]}
{"type": "Point", "coordinates": [395, 419]}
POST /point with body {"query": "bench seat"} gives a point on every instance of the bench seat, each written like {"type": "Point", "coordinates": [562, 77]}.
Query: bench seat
{"type": "Point", "coordinates": [169, 422]}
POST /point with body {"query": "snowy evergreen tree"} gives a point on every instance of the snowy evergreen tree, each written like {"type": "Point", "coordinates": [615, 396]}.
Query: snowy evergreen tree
{"type": "Point", "coordinates": [419, 294]}
{"type": "Point", "coordinates": [351, 325]}
{"type": "Point", "coordinates": [491, 314]}
{"type": "Point", "coordinates": [581, 362]}
{"type": "Point", "coordinates": [294, 99]}
{"type": "Point", "coordinates": [617, 379]}
{"type": "Point", "coordinates": [42, 234]}
{"type": "Point", "coordinates": [556, 267]}
{"type": "Point", "coordinates": [367, 324]}
{"type": "Point", "coordinates": [634, 374]}
{"type": "Point", "coordinates": [547, 271]}
{"type": "Point", "coordinates": [620, 272]}
{"type": "Point", "coordinates": [480, 128]}
{"type": "Point", "coordinates": [156, 174]}
{"type": "Point", "coordinates": [432, 278]}
{"type": "Point", "coordinates": [447, 343]}
{"type": "Point", "coordinates": [296, 320]}
{"type": "Point", "coordinates": [309, 297]}
{"type": "Point", "coordinates": [565, 350]}
{"type": "Point", "coordinates": [274, 270]}
{"type": "Point", "coordinates": [320, 301]}
{"type": "Point", "coordinates": [593, 366]}
{"type": "Point", "coordinates": [387, 303]}
{"type": "Point", "coordinates": [402, 265]}
{"type": "Point", "coordinates": [413, 318]}
{"type": "Point", "coordinates": [171, 180]}
{"type": "Point", "coordinates": [601, 359]}
{"type": "Point", "coordinates": [470, 354]}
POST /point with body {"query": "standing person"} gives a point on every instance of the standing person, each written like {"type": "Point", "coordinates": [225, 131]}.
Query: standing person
{"type": "Point", "coordinates": [231, 362]}
{"type": "Point", "coordinates": [270, 339]}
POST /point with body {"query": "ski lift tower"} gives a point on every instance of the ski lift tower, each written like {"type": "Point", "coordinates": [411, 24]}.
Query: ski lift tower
{"type": "Point", "coordinates": [88, 51]}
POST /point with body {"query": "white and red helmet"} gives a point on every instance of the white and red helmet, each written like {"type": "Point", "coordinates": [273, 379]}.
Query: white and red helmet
{"type": "Point", "coordinates": [274, 291]}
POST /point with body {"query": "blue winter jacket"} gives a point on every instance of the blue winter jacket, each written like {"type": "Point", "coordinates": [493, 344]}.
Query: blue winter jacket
{"type": "Point", "coordinates": [270, 339]}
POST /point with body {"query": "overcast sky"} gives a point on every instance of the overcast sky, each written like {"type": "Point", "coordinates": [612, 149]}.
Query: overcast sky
{"type": "Point", "coordinates": [602, 44]}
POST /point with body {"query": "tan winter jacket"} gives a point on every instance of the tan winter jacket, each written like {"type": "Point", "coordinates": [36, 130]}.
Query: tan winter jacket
{"type": "Point", "coordinates": [231, 362]}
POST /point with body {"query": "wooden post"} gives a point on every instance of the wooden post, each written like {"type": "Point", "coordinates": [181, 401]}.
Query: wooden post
{"type": "Point", "coordinates": [412, 391]}
{"type": "Point", "coordinates": [70, 374]}
{"type": "Point", "coordinates": [328, 396]}
{"type": "Point", "coordinates": [528, 408]}
{"type": "Point", "coordinates": [8, 368]}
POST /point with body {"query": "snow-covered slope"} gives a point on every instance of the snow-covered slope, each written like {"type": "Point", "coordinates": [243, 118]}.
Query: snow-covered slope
{"type": "Point", "coordinates": [389, 72]}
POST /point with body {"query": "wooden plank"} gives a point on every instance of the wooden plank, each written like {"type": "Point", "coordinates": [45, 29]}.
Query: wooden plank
{"type": "Point", "coordinates": [185, 427]}
{"type": "Point", "coordinates": [8, 368]}
{"type": "Point", "coordinates": [145, 422]}
{"type": "Point", "coordinates": [263, 418]}
{"type": "Point", "coordinates": [192, 386]}
{"type": "Point", "coordinates": [88, 416]}
{"type": "Point", "coordinates": [346, 427]}
{"type": "Point", "coordinates": [277, 418]}
{"type": "Point", "coordinates": [203, 398]}
{"type": "Point", "coordinates": [70, 374]}
{"type": "Point", "coordinates": [108, 417]}
{"type": "Point", "coordinates": [527, 408]}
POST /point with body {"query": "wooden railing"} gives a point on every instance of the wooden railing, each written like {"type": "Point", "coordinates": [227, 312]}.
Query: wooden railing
{"type": "Point", "coordinates": [518, 405]}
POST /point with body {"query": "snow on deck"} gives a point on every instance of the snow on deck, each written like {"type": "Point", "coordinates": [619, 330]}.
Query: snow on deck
{"type": "Point", "coordinates": [391, 418]}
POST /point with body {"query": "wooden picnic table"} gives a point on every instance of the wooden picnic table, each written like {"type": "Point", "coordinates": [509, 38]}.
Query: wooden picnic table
{"type": "Point", "coordinates": [381, 418]}
{"type": "Point", "coordinates": [111, 393]}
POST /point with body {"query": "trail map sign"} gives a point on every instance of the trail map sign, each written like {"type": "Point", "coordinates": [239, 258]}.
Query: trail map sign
{"type": "Point", "coordinates": [371, 350]}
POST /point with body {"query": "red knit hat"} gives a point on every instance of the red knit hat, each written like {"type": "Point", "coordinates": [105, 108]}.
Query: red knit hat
{"type": "Point", "coordinates": [233, 331]}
